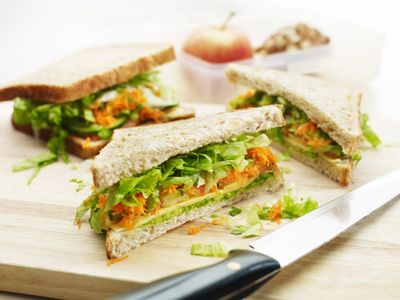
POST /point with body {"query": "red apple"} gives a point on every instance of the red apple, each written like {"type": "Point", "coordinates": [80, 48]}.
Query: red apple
{"type": "Point", "coordinates": [218, 44]}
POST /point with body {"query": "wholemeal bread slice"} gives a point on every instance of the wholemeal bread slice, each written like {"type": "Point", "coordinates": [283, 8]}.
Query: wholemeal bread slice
{"type": "Point", "coordinates": [338, 171]}
{"type": "Point", "coordinates": [87, 72]}
{"type": "Point", "coordinates": [84, 149]}
{"type": "Point", "coordinates": [135, 150]}
{"type": "Point", "coordinates": [118, 243]}
{"type": "Point", "coordinates": [334, 108]}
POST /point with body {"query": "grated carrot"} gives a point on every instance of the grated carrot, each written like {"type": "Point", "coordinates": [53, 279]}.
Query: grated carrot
{"type": "Point", "coordinates": [275, 213]}
{"type": "Point", "coordinates": [151, 114]}
{"type": "Point", "coordinates": [316, 142]}
{"type": "Point", "coordinates": [195, 229]}
{"type": "Point", "coordinates": [102, 201]}
{"type": "Point", "coordinates": [304, 129]}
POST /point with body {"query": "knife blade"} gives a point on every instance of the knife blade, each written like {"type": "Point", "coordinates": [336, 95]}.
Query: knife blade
{"type": "Point", "coordinates": [244, 271]}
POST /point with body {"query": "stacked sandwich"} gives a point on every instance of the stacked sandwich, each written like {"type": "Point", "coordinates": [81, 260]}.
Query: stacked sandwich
{"type": "Point", "coordinates": [76, 103]}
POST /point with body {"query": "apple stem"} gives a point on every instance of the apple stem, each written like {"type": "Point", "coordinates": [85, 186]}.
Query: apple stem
{"type": "Point", "coordinates": [227, 20]}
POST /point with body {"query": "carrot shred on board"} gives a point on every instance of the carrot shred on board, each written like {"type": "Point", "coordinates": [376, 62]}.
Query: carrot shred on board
{"type": "Point", "coordinates": [275, 213]}
{"type": "Point", "coordinates": [220, 221]}
{"type": "Point", "coordinates": [195, 229]}
{"type": "Point", "coordinates": [112, 261]}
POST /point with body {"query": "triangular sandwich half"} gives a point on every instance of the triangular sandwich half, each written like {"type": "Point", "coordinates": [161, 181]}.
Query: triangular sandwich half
{"type": "Point", "coordinates": [322, 118]}
{"type": "Point", "coordinates": [153, 179]}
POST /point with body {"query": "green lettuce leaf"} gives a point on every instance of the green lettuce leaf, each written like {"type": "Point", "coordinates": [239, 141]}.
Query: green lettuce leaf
{"type": "Point", "coordinates": [252, 231]}
{"type": "Point", "coordinates": [88, 204]}
{"type": "Point", "coordinates": [293, 209]}
{"type": "Point", "coordinates": [145, 184]}
{"type": "Point", "coordinates": [96, 221]}
{"type": "Point", "coordinates": [356, 157]}
{"type": "Point", "coordinates": [36, 163]}
{"type": "Point", "coordinates": [252, 216]}
{"type": "Point", "coordinates": [235, 211]}
{"type": "Point", "coordinates": [212, 250]}
{"type": "Point", "coordinates": [22, 111]}
{"type": "Point", "coordinates": [239, 229]}
{"type": "Point", "coordinates": [263, 212]}
{"type": "Point", "coordinates": [284, 156]}
{"type": "Point", "coordinates": [368, 134]}
{"type": "Point", "coordinates": [81, 184]}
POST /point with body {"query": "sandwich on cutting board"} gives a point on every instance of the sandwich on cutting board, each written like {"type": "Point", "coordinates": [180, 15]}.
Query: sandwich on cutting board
{"type": "Point", "coordinates": [153, 179]}
{"type": "Point", "coordinates": [322, 119]}
{"type": "Point", "coordinates": [77, 102]}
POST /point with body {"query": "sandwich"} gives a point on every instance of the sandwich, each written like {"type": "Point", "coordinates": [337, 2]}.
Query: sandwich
{"type": "Point", "coordinates": [150, 180]}
{"type": "Point", "coordinates": [76, 103]}
{"type": "Point", "coordinates": [322, 119]}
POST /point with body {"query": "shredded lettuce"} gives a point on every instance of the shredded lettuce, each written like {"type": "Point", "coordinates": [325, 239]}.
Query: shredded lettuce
{"type": "Point", "coordinates": [284, 156]}
{"type": "Point", "coordinates": [96, 221]}
{"type": "Point", "coordinates": [294, 208]}
{"type": "Point", "coordinates": [253, 226]}
{"type": "Point", "coordinates": [289, 207]}
{"type": "Point", "coordinates": [356, 157]}
{"type": "Point", "coordinates": [252, 216]}
{"type": "Point", "coordinates": [77, 115]}
{"type": "Point", "coordinates": [36, 163]}
{"type": "Point", "coordinates": [368, 134]}
{"type": "Point", "coordinates": [239, 229]}
{"type": "Point", "coordinates": [203, 167]}
{"type": "Point", "coordinates": [234, 211]}
{"type": "Point", "coordinates": [218, 249]}
{"type": "Point", "coordinates": [294, 117]}
{"type": "Point", "coordinates": [252, 231]}
{"type": "Point", "coordinates": [81, 183]}
{"type": "Point", "coordinates": [263, 212]}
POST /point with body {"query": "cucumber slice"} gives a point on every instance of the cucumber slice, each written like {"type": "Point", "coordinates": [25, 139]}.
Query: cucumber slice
{"type": "Point", "coordinates": [161, 104]}
{"type": "Point", "coordinates": [81, 128]}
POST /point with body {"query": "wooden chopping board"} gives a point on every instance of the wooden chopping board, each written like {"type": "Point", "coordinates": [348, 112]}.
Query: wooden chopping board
{"type": "Point", "coordinates": [43, 253]}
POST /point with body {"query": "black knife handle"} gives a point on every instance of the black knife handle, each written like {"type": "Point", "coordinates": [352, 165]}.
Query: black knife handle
{"type": "Point", "coordinates": [237, 276]}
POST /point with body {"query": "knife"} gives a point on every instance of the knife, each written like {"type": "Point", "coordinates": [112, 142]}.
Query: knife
{"type": "Point", "coordinates": [244, 271]}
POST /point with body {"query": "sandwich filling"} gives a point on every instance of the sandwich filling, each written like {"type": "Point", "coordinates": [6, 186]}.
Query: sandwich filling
{"type": "Point", "coordinates": [300, 133]}
{"type": "Point", "coordinates": [208, 175]}
{"type": "Point", "coordinates": [143, 99]}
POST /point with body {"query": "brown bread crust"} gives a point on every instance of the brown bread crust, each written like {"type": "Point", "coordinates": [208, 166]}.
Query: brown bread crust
{"type": "Point", "coordinates": [67, 80]}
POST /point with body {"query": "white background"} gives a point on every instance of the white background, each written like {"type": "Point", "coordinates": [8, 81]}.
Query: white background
{"type": "Point", "coordinates": [34, 33]}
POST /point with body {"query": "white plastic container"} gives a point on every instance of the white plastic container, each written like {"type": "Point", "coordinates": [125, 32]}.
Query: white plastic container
{"type": "Point", "coordinates": [352, 57]}
{"type": "Point", "coordinates": [204, 81]}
